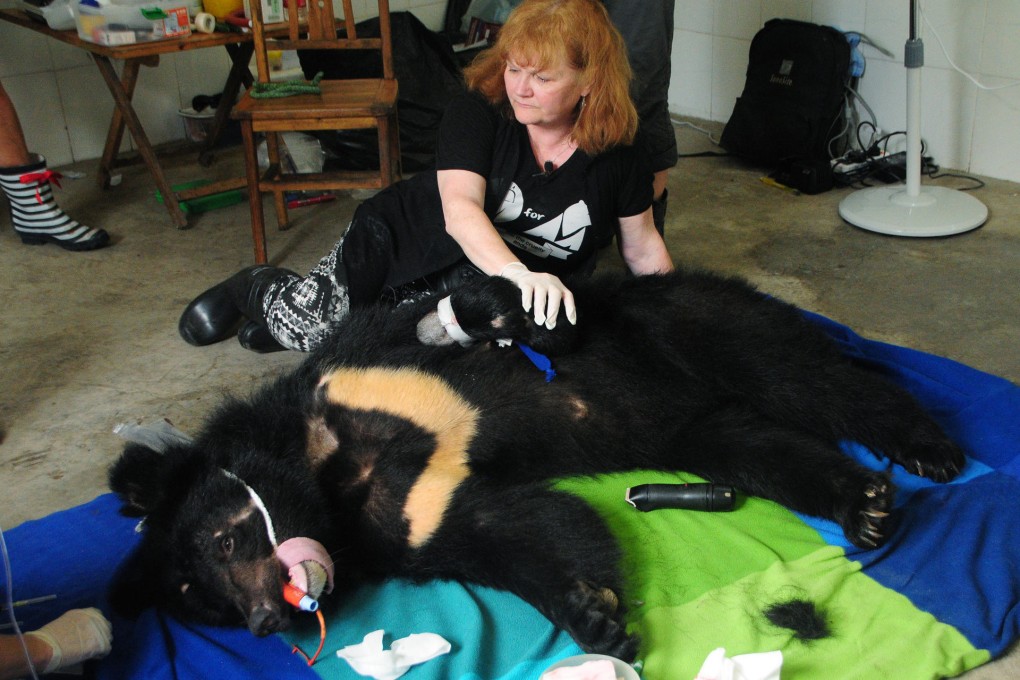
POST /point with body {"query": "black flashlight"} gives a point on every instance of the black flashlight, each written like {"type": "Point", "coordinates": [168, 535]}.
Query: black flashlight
{"type": "Point", "coordinates": [709, 497]}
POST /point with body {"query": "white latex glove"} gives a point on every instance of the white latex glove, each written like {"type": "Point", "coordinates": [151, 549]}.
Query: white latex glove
{"type": "Point", "coordinates": [542, 291]}
{"type": "Point", "coordinates": [77, 635]}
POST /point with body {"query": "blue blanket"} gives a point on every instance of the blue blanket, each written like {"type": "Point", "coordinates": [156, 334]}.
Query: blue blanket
{"type": "Point", "coordinates": [951, 569]}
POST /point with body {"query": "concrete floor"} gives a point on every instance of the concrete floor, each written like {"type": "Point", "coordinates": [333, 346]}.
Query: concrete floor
{"type": "Point", "coordinates": [89, 340]}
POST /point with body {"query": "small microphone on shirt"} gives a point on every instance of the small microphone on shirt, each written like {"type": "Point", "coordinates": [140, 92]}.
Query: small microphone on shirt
{"type": "Point", "coordinates": [547, 169]}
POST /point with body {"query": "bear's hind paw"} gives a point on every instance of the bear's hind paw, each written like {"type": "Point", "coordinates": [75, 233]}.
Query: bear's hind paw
{"type": "Point", "coordinates": [597, 624]}
{"type": "Point", "coordinates": [940, 462]}
{"type": "Point", "coordinates": [865, 524]}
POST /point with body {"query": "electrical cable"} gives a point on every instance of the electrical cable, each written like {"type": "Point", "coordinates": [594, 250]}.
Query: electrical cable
{"type": "Point", "coordinates": [708, 133]}
{"type": "Point", "coordinates": [865, 40]}
{"type": "Point", "coordinates": [848, 117]}
{"type": "Point", "coordinates": [884, 141]}
{"type": "Point", "coordinates": [871, 139]}
{"type": "Point", "coordinates": [703, 154]}
{"type": "Point", "coordinates": [9, 602]}
{"type": "Point", "coordinates": [933, 173]}
{"type": "Point", "coordinates": [684, 123]}
{"type": "Point", "coordinates": [853, 96]}
{"type": "Point", "coordinates": [875, 164]}
{"type": "Point", "coordinates": [873, 122]}
{"type": "Point", "coordinates": [949, 59]}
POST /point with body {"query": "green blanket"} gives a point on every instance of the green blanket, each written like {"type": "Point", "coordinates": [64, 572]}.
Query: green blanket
{"type": "Point", "coordinates": [698, 580]}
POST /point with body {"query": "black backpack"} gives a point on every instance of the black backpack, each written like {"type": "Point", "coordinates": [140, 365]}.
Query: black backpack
{"type": "Point", "coordinates": [429, 77]}
{"type": "Point", "coordinates": [792, 106]}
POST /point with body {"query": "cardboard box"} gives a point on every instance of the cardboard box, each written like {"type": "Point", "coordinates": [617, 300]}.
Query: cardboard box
{"type": "Point", "coordinates": [176, 23]}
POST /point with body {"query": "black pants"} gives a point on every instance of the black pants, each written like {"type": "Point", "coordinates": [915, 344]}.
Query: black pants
{"type": "Point", "coordinates": [302, 312]}
{"type": "Point", "coordinates": [647, 29]}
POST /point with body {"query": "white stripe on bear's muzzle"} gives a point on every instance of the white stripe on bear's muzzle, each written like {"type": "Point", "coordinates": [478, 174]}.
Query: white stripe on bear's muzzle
{"type": "Point", "coordinates": [257, 500]}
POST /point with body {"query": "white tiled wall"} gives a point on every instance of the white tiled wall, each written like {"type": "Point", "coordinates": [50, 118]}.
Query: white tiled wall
{"type": "Point", "coordinates": [65, 106]}
{"type": "Point", "coordinates": [964, 127]}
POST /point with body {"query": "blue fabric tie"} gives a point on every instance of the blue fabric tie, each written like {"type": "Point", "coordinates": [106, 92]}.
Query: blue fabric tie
{"type": "Point", "coordinates": [541, 361]}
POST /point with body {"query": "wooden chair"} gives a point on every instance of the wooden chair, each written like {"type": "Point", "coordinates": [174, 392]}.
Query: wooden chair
{"type": "Point", "coordinates": [342, 105]}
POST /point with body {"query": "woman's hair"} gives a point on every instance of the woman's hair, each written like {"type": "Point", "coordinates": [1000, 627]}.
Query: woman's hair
{"type": "Point", "coordinates": [540, 33]}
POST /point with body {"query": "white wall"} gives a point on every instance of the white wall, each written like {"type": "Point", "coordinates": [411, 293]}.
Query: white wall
{"type": "Point", "coordinates": [64, 104]}
{"type": "Point", "coordinates": [965, 128]}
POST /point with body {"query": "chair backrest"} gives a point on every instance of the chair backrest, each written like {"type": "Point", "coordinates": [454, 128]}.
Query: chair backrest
{"type": "Point", "coordinates": [320, 30]}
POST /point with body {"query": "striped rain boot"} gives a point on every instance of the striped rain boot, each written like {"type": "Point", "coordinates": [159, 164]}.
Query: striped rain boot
{"type": "Point", "coordinates": [36, 216]}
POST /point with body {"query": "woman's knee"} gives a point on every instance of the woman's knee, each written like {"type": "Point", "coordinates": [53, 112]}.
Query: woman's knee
{"type": "Point", "coordinates": [302, 312]}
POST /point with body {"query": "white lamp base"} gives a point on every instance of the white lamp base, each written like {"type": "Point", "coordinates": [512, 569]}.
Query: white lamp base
{"type": "Point", "coordinates": [935, 211]}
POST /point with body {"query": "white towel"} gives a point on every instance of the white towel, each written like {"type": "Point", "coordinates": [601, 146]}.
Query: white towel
{"type": "Point", "coordinates": [370, 659]}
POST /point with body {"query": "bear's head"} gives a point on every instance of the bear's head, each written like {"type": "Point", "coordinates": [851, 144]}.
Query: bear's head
{"type": "Point", "coordinates": [208, 547]}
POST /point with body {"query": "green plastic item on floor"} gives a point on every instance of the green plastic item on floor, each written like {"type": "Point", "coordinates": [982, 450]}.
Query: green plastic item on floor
{"type": "Point", "coordinates": [204, 203]}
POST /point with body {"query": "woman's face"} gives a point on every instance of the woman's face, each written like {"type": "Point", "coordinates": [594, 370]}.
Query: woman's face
{"type": "Point", "coordinates": [543, 96]}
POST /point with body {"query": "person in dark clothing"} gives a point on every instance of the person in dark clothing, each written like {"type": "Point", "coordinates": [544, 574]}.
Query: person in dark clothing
{"type": "Point", "coordinates": [536, 170]}
{"type": "Point", "coordinates": [647, 30]}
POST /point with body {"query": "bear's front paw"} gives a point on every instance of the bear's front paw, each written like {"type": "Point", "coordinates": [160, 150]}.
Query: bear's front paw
{"type": "Point", "coordinates": [490, 309]}
{"type": "Point", "coordinates": [481, 311]}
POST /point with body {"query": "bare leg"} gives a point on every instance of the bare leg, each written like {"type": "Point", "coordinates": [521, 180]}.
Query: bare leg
{"type": "Point", "coordinates": [13, 151]}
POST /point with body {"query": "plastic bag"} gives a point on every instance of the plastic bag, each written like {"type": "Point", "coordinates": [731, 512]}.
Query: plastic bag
{"type": "Point", "coordinates": [299, 152]}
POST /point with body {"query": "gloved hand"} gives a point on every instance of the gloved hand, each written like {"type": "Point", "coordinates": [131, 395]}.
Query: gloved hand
{"type": "Point", "coordinates": [542, 291]}
{"type": "Point", "coordinates": [77, 635]}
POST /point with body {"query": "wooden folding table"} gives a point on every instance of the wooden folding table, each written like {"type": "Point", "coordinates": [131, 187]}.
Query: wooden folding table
{"type": "Point", "coordinates": [238, 45]}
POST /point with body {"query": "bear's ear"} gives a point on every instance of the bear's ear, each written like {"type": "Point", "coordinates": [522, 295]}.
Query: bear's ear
{"type": "Point", "coordinates": [139, 477]}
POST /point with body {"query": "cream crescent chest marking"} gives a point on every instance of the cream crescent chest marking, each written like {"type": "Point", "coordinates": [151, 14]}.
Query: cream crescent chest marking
{"type": "Point", "coordinates": [428, 402]}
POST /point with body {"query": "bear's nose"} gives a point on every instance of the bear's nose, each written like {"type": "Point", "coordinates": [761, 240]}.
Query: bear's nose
{"type": "Point", "coordinates": [264, 619]}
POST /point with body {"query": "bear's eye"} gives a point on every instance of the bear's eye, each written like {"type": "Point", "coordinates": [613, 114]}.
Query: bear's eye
{"type": "Point", "coordinates": [227, 545]}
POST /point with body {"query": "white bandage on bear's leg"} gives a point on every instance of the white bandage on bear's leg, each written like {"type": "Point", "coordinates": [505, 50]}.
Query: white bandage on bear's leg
{"type": "Point", "coordinates": [77, 635]}
{"type": "Point", "coordinates": [449, 320]}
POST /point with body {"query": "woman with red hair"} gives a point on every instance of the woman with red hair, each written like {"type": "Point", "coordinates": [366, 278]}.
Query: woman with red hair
{"type": "Point", "coordinates": [535, 172]}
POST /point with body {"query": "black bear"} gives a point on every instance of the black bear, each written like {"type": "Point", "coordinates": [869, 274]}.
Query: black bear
{"type": "Point", "coordinates": [406, 451]}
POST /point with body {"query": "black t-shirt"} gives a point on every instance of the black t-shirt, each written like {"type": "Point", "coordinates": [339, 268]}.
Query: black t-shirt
{"type": "Point", "coordinates": [553, 222]}
{"type": "Point", "coordinates": [544, 217]}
